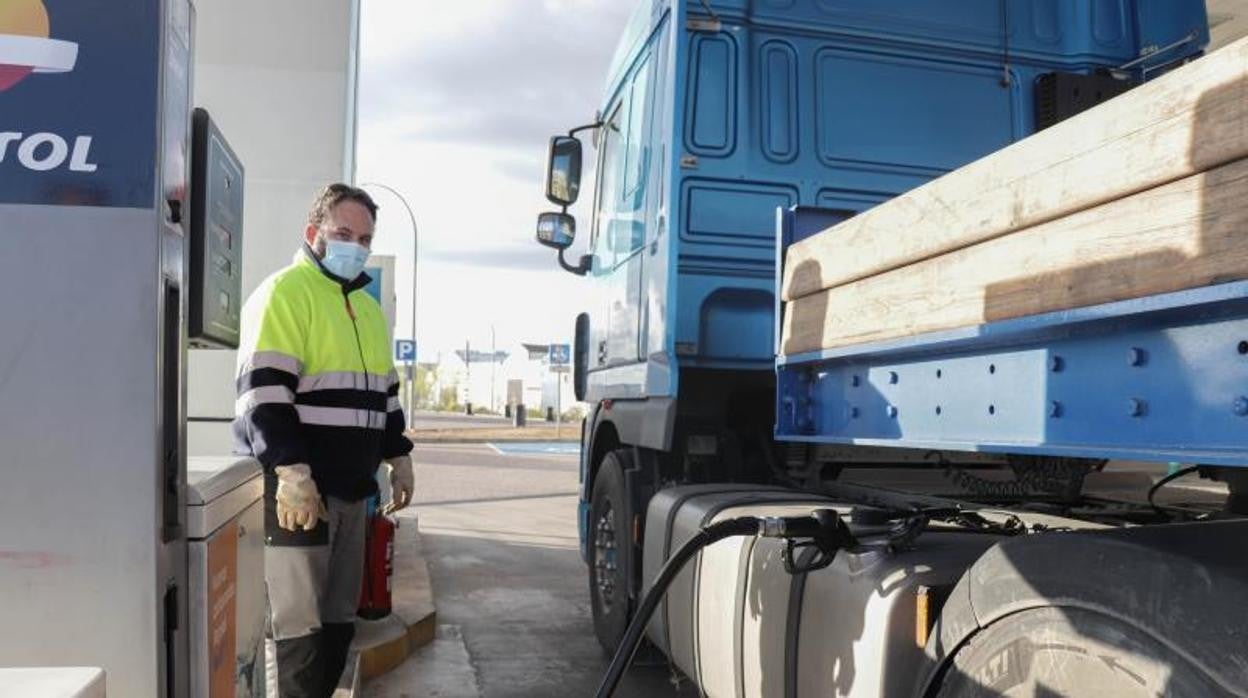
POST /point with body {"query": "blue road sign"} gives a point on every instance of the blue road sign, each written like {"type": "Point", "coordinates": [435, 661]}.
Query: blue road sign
{"type": "Point", "coordinates": [560, 354]}
{"type": "Point", "coordinates": [404, 350]}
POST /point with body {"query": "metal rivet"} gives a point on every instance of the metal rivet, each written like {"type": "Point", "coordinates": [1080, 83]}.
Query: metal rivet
{"type": "Point", "coordinates": [1241, 406]}
{"type": "Point", "coordinates": [1055, 409]}
{"type": "Point", "coordinates": [1056, 364]}
{"type": "Point", "coordinates": [853, 413]}
{"type": "Point", "coordinates": [893, 377]}
{"type": "Point", "coordinates": [939, 373]}
{"type": "Point", "coordinates": [938, 410]}
{"type": "Point", "coordinates": [892, 411]}
{"type": "Point", "coordinates": [1137, 356]}
{"type": "Point", "coordinates": [992, 368]}
{"type": "Point", "coordinates": [992, 409]}
{"type": "Point", "coordinates": [1136, 407]}
{"type": "Point", "coordinates": [853, 380]}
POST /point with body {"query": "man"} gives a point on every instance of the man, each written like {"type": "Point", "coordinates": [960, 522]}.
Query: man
{"type": "Point", "coordinates": [318, 407]}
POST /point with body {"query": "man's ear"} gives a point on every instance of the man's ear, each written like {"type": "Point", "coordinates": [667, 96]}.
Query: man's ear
{"type": "Point", "coordinates": [309, 236]}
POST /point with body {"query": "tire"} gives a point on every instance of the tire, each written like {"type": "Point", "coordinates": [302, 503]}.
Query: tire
{"type": "Point", "coordinates": [611, 550]}
{"type": "Point", "coordinates": [1072, 653]}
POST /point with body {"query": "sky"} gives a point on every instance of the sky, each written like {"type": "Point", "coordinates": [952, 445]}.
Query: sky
{"type": "Point", "coordinates": [456, 104]}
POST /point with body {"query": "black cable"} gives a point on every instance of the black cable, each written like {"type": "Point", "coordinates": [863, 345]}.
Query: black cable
{"type": "Point", "coordinates": [743, 526]}
{"type": "Point", "coordinates": [1152, 491]}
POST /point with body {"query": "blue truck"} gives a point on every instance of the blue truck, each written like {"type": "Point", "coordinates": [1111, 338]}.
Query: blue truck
{"type": "Point", "coordinates": [731, 130]}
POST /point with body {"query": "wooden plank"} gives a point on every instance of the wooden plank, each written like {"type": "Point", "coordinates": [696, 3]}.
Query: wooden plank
{"type": "Point", "coordinates": [1186, 234]}
{"type": "Point", "coordinates": [1188, 121]}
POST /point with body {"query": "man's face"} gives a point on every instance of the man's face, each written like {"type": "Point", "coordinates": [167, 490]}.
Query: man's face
{"type": "Point", "coordinates": [347, 222]}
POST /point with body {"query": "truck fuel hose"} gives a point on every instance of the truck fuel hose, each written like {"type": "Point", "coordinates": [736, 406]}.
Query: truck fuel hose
{"type": "Point", "coordinates": [823, 529]}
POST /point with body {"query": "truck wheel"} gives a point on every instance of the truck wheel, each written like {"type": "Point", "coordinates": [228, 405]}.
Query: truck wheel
{"type": "Point", "coordinates": [611, 550]}
{"type": "Point", "coordinates": [1070, 652]}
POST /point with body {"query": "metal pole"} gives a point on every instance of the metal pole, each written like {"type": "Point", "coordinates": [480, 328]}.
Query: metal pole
{"type": "Point", "coordinates": [558, 406]}
{"type": "Point", "coordinates": [493, 368]}
{"type": "Point", "coordinates": [411, 365]}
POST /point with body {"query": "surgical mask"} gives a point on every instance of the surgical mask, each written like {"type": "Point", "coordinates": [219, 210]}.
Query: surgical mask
{"type": "Point", "coordinates": [344, 259]}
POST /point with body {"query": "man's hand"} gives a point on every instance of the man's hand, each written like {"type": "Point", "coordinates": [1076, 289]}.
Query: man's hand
{"type": "Point", "coordinates": [402, 483]}
{"type": "Point", "coordinates": [299, 504]}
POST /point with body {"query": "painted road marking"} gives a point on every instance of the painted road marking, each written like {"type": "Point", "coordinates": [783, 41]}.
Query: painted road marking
{"type": "Point", "coordinates": [558, 448]}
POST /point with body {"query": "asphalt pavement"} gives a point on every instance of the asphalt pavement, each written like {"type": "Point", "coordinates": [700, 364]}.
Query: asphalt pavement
{"type": "Point", "coordinates": [499, 534]}
{"type": "Point", "coordinates": [458, 420]}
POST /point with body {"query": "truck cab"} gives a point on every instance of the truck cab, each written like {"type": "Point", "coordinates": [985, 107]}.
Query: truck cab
{"type": "Point", "coordinates": [717, 115]}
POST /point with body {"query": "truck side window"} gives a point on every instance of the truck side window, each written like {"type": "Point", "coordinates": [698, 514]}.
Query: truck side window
{"type": "Point", "coordinates": [609, 182]}
{"type": "Point", "coordinates": [638, 117]}
{"type": "Point", "coordinates": [620, 220]}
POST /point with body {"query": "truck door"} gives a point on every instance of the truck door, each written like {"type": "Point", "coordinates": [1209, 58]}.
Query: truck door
{"type": "Point", "coordinates": [620, 222]}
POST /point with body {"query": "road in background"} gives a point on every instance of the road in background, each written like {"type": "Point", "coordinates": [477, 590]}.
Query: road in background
{"type": "Point", "coordinates": [458, 420]}
{"type": "Point", "coordinates": [499, 533]}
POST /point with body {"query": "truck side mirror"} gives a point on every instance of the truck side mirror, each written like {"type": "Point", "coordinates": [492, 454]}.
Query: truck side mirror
{"type": "Point", "coordinates": [563, 170]}
{"type": "Point", "coordinates": [557, 230]}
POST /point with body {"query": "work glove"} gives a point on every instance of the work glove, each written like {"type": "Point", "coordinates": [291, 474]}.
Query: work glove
{"type": "Point", "coordinates": [299, 504]}
{"type": "Point", "coordinates": [402, 483]}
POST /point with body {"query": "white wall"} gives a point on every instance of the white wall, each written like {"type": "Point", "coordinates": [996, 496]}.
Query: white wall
{"type": "Point", "coordinates": [279, 79]}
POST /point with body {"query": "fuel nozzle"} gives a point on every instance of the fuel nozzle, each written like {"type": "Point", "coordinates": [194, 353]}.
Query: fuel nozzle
{"type": "Point", "coordinates": [812, 541]}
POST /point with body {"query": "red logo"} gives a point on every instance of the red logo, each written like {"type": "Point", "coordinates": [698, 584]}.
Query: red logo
{"type": "Point", "coordinates": [25, 46]}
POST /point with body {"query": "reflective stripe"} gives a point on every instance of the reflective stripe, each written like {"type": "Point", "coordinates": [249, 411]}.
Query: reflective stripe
{"type": "Point", "coordinates": [393, 377]}
{"type": "Point", "coordinates": [270, 359]}
{"type": "Point", "coordinates": [341, 417]}
{"type": "Point", "coordinates": [343, 380]}
{"type": "Point", "coordinates": [393, 404]}
{"type": "Point", "coordinates": [264, 395]}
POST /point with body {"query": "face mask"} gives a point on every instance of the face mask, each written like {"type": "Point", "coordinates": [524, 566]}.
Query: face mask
{"type": "Point", "coordinates": [344, 259]}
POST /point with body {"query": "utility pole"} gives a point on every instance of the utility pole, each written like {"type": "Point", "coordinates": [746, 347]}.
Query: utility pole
{"type": "Point", "coordinates": [411, 365]}
{"type": "Point", "coordinates": [493, 367]}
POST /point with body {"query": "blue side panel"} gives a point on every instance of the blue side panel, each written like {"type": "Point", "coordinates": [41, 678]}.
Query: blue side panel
{"type": "Point", "coordinates": [916, 112]}
{"type": "Point", "coordinates": [1163, 378]}
{"type": "Point", "coordinates": [711, 126]}
{"type": "Point", "coordinates": [843, 104]}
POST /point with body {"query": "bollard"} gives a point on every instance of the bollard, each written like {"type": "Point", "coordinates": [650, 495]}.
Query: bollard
{"type": "Point", "coordinates": [519, 417]}
{"type": "Point", "coordinates": [468, 409]}
{"type": "Point", "coordinates": [507, 411]}
{"type": "Point", "coordinates": [550, 414]}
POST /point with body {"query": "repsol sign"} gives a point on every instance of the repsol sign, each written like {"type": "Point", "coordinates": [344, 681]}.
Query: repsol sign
{"type": "Point", "coordinates": [42, 152]}
{"type": "Point", "coordinates": [81, 103]}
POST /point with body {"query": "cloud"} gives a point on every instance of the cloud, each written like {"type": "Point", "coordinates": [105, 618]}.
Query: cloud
{"type": "Point", "coordinates": [523, 169]}
{"type": "Point", "coordinates": [522, 257]}
{"type": "Point", "coordinates": [510, 77]}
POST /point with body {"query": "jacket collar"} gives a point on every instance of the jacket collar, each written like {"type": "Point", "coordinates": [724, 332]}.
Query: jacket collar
{"type": "Point", "coordinates": [307, 257]}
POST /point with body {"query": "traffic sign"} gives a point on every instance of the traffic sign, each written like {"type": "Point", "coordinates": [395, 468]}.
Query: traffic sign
{"type": "Point", "coordinates": [404, 350]}
{"type": "Point", "coordinates": [560, 354]}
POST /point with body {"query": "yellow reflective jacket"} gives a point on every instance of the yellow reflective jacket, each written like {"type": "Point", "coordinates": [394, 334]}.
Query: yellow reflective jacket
{"type": "Point", "coordinates": [315, 380]}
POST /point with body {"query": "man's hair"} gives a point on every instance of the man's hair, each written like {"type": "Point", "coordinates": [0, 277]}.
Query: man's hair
{"type": "Point", "coordinates": [334, 194]}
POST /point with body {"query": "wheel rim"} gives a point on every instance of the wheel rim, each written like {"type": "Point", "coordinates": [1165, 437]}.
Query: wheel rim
{"type": "Point", "coordinates": [605, 558]}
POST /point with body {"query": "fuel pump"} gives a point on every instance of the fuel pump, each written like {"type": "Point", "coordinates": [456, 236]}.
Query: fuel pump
{"type": "Point", "coordinates": [95, 123]}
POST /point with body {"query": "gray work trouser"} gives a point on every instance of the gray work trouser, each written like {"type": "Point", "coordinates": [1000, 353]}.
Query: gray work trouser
{"type": "Point", "coordinates": [313, 593]}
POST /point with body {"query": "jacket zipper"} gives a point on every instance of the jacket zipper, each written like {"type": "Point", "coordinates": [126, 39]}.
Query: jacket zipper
{"type": "Point", "coordinates": [359, 345]}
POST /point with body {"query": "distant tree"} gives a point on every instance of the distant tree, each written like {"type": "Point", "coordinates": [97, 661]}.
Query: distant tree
{"type": "Point", "coordinates": [448, 400]}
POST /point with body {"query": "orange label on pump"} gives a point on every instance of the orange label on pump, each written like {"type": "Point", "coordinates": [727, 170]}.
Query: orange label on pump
{"type": "Point", "coordinates": [221, 608]}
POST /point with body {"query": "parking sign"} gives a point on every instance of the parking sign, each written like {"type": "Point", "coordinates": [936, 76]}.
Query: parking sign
{"type": "Point", "coordinates": [404, 350]}
{"type": "Point", "coordinates": [560, 354]}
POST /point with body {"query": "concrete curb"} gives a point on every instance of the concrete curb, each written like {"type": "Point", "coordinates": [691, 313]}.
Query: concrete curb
{"type": "Point", "coordinates": [381, 645]}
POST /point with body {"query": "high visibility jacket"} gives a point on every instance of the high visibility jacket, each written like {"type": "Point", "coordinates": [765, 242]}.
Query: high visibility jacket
{"type": "Point", "coordinates": [315, 380]}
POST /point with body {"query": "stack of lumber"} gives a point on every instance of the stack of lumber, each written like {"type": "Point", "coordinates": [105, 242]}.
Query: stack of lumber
{"type": "Point", "coordinates": [1145, 194]}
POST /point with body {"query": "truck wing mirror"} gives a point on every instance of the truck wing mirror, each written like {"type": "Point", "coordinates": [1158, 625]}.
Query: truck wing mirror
{"type": "Point", "coordinates": [563, 170]}
{"type": "Point", "coordinates": [557, 230]}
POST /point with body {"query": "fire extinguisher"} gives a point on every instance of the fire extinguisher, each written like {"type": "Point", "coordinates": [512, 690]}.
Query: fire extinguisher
{"type": "Point", "coordinates": [378, 563]}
